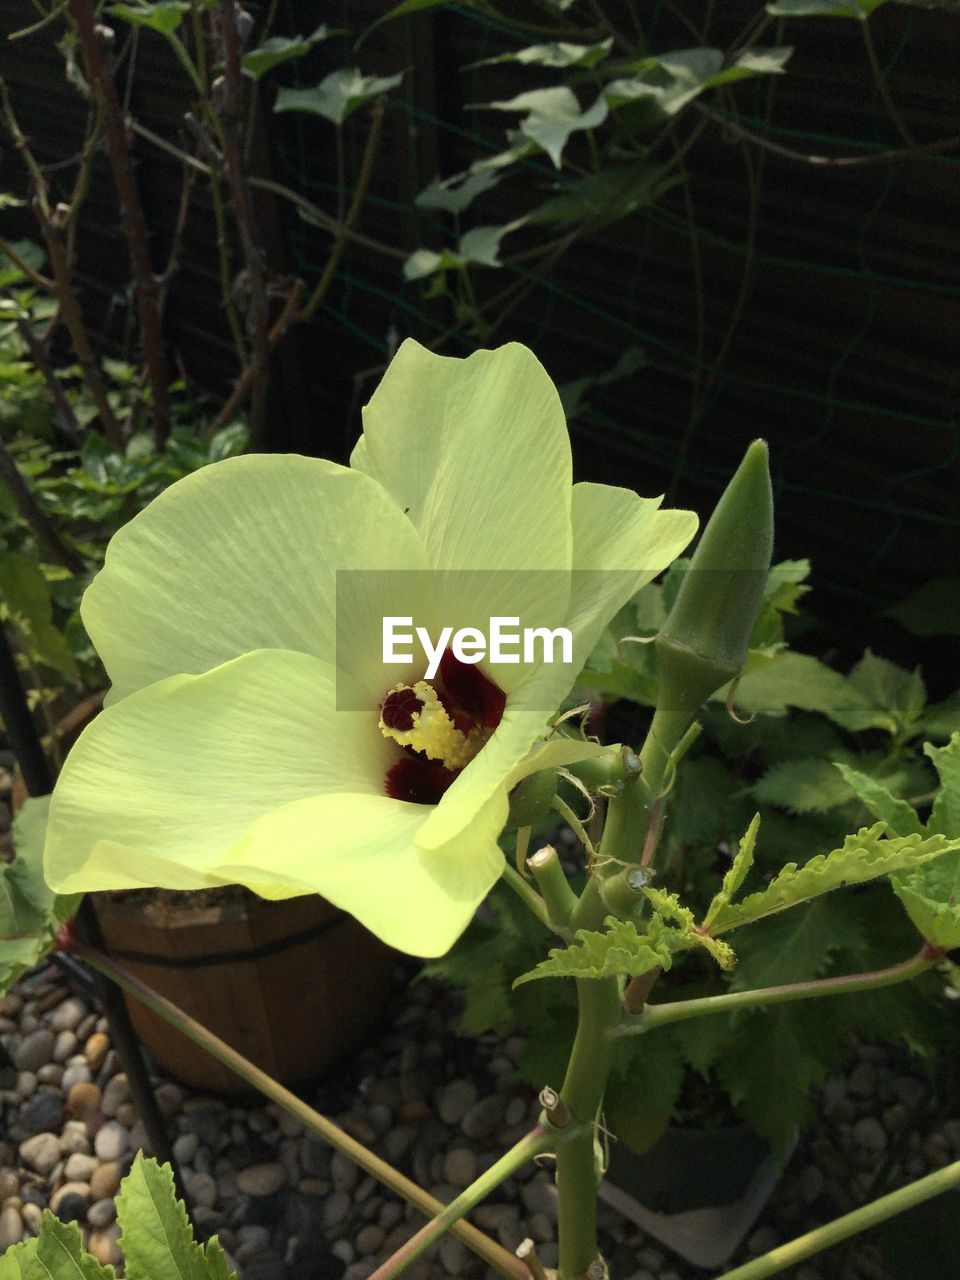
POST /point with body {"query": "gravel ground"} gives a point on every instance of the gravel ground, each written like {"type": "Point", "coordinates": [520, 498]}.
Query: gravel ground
{"type": "Point", "coordinates": [437, 1106]}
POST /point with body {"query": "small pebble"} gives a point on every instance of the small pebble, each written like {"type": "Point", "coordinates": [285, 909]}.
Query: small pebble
{"type": "Point", "coordinates": [41, 1152]}
{"type": "Point", "coordinates": [35, 1051]}
{"type": "Point", "coordinates": [455, 1101]}
{"type": "Point", "coordinates": [261, 1179]}
{"type": "Point", "coordinates": [105, 1181]}
{"type": "Point", "coordinates": [95, 1050]}
{"type": "Point", "coordinates": [101, 1213]}
{"type": "Point", "coordinates": [112, 1141]}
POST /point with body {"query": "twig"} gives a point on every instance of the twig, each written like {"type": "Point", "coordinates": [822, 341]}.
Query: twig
{"type": "Point", "coordinates": [532, 1144]}
{"type": "Point", "coordinates": [231, 119]}
{"type": "Point", "coordinates": [287, 317]}
{"type": "Point", "coordinates": [893, 156]}
{"type": "Point", "coordinates": [491, 1252]}
{"type": "Point", "coordinates": [310, 211]}
{"type": "Point", "coordinates": [38, 355]}
{"type": "Point", "coordinates": [8, 251]}
{"type": "Point", "coordinates": [39, 26]}
{"type": "Point", "coordinates": [131, 212]}
{"type": "Point", "coordinates": [61, 285]}
{"type": "Point", "coordinates": [34, 515]}
{"type": "Point", "coordinates": [356, 204]}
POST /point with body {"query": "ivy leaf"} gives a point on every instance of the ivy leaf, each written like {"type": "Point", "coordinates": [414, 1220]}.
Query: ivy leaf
{"type": "Point", "coordinates": [620, 949]}
{"type": "Point", "coordinates": [932, 610]}
{"type": "Point", "coordinates": [900, 817]}
{"type": "Point", "coordinates": [30, 912]}
{"type": "Point", "coordinates": [156, 1234]}
{"type": "Point", "coordinates": [803, 786]}
{"type": "Point", "coordinates": [734, 878]}
{"type": "Point", "coordinates": [481, 246]}
{"type": "Point", "coordinates": [56, 1254]}
{"type": "Point", "coordinates": [337, 95]}
{"type": "Point", "coordinates": [862, 857]}
{"type": "Point", "coordinates": [552, 115]}
{"type": "Point", "coordinates": [555, 54]}
{"type": "Point", "coordinates": [280, 49]}
{"type": "Point", "coordinates": [163, 18]}
{"type": "Point", "coordinates": [673, 80]}
{"type": "Point", "coordinates": [824, 8]}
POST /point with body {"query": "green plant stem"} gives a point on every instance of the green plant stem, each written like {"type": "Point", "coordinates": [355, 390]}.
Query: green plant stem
{"type": "Point", "coordinates": [880, 81]}
{"type": "Point", "coordinates": [492, 1253]}
{"type": "Point", "coordinates": [560, 899]}
{"type": "Point", "coordinates": [528, 896]}
{"type": "Point", "coordinates": [660, 1015]}
{"type": "Point", "coordinates": [851, 1224]}
{"type": "Point", "coordinates": [356, 204]}
{"type": "Point", "coordinates": [538, 1140]}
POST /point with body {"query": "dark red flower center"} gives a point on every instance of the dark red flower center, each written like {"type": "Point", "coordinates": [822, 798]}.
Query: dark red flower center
{"type": "Point", "coordinates": [473, 702]}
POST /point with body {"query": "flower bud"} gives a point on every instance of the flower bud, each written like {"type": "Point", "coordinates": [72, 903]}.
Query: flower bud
{"type": "Point", "coordinates": [704, 641]}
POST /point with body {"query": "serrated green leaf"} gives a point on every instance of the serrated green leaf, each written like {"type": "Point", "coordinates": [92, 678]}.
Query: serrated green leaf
{"type": "Point", "coordinates": [669, 907]}
{"type": "Point", "coordinates": [56, 1254]}
{"type": "Point", "coordinates": [156, 1234]}
{"type": "Point", "coordinates": [30, 912]}
{"type": "Point", "coordinates": [945, 815]}
{"type": "Point", "coordinates": [644, 1086]}
{"type": "Point", "coordinates": [900, 817]}
{"type": "Point", "coordinates": [942, 719]}
{"type": "Point", "coordinates": [931, 898]}
{"type": "Point", "coordinates": [620, 949]}
{"type": "Point", "coordinates": [797, 680]}
{"type": "Point", "coordinates": [798, 947]}
{"type": "Point", "coordinates": [803, 786]}
{"type": "Point", "coordinates": [280, 49]}
{"type": "Point", "coordinates": [734, 878]}
{"type": "Point", "coordinates": [337, 95]}
{"type": "Point", "coordinates": [556, 54]}
{"type": "Point", "coordinates": [163, 18]}
{"type": "Point", "coordinates": [890, 688]}
{"type": "Point", "coordinates": [862, 857]}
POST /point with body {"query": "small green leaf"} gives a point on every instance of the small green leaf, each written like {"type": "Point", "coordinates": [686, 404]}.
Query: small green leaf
{"type": "Point", "coordinates": [669, 907]}
{"type": "Point", "coordinates": [862, 857]}
{"type": "Point", "coordinates": [621, 949]}
{"type": "Point", "coordinates": [734, 878]}
{"type": "Point", "coordinates": [455, 194]}
{"type": "Point", "coordinates": [337, 95]}
{"type": "Point", "coordinates": [900, 817]}
{"type": "Point", "coordinates": [164, 17]}
{"type": "Point", "coordinates": [890, 688]}
{"type": "Point", "coordinates": [931, 898]}
{"type": "Point", "coordinates": [156, 1234]}
{"type": "Point", "coordinates": [556, 54]}
{"type": "Point", "coordinates": [945, 815]}
{"type": "Point", "coordinates": [30, 912]}
{"type": "Point", "coordinates": [279, 49]}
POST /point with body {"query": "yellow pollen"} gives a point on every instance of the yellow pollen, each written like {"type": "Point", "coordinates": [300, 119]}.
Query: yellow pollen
{"type": "Point", "coordinates": [433, 732]}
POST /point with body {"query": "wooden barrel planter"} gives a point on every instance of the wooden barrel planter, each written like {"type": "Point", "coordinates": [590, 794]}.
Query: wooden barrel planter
{"type": "Point", "coordinates": [291, 985]}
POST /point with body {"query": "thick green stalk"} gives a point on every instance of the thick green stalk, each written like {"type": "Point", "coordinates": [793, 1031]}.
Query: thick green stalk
{"type": "Point", "coordinates": [660, 1015]}
{"type": "Point", "coordinates": [532, 1144]}
{"type": "Point", "coordinates": [506, 1264]}
{"type": "Point", "coordinates": [851, 1224]}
